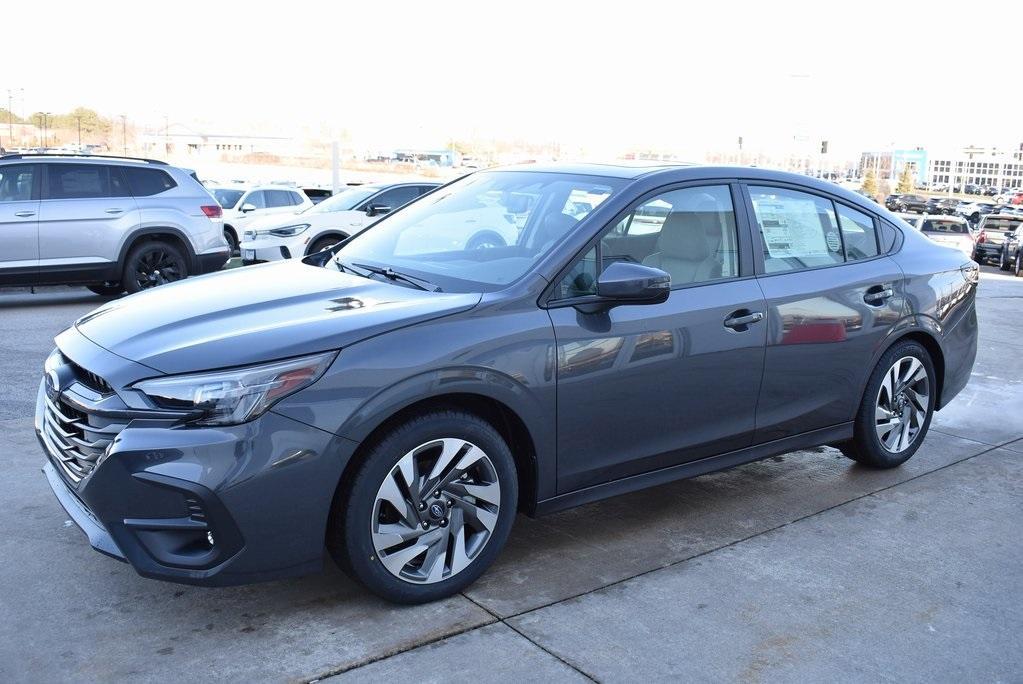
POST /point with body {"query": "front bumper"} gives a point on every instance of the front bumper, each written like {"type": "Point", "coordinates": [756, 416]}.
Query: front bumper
{"type": "Point", "coordinates": [271, 249]}
{"type": "Point", "coordinates": [263, 490]}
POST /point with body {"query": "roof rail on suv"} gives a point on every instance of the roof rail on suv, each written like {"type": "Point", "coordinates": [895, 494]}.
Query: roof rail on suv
{"type": "Point", "coordinates": [83, 156]}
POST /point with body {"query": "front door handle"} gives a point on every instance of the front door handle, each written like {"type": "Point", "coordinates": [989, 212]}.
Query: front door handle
{"type": "Point", "coordinates": [878, 294]}
{"type": "Point", "coordinates": [115, 210]}
{"type": "Point", "coordinates": [24, 214]}
{"type": "Point", "coordinates": [740, 320]}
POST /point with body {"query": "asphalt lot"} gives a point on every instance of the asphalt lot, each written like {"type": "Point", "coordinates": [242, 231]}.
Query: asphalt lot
{"type": "Point", "coordinates": [800, 567]}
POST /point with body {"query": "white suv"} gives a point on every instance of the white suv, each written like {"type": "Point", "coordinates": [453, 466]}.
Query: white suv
{"type": "Point", "coordinates": [110, 223]}
{"type": "Point", "coordinates": [329, 222]}
{"type": "Point", "coordinates": [243, 205]}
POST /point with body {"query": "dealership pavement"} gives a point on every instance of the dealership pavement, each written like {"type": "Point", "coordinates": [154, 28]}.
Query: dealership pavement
{"type": "Point", "coordinates": [800, 567]}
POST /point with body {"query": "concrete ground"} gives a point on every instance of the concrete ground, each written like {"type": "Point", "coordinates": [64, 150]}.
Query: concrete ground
{"type": "Point", "coordinates": [800, 567]}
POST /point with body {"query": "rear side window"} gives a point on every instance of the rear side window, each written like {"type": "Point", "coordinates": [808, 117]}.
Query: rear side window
{"type": "Point", "coordinates": [84, 181]}
{"type": "Point", "coordinates": [799, 230]}
{"type": "Point", "coordinates": [296, 198]}
{"type": "Point", "coordinates": [939, 226]}
{"type": "Point", "coordinates": [16, 182]}
{"type": "Point", "coordinates": [858, 233]}
{"type": "Point", "coordinates": [145, 182]}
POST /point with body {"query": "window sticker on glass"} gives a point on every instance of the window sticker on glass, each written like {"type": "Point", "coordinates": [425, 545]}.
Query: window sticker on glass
{"type": "Point", "coordinates": [792, 228]}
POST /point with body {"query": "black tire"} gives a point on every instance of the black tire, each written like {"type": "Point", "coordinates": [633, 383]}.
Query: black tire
{"type": "Point", "coordinates": [107, 289]}
{"type": "Point", "coordinates": [325, 243]}
{"type": "Point", "coordinates": [349, 536]}
{"type": "Point", "coordinates": [153, 263]}
{"type": "Point", "coordinates": [232, 241]}
{"type": "Point", "coordinates": [1019, 263]}
{"type": "Point", "coordinates": [866, 447]}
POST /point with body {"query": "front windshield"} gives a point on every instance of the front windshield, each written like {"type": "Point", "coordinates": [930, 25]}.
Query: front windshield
{"type": "Point", "coordinates": [227, 198]}
{"type": "Point", "coordinates": [482, 232]}
{"type": "Point", "coordinates": [342, 201]}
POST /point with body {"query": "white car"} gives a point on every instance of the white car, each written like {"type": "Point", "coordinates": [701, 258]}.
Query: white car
{"type": "Point", "coordinates": [951, 231]}
{"type": "Point", "coordinates": [243, 205]}
{"type": "Point", "coordinates": [324, 225]}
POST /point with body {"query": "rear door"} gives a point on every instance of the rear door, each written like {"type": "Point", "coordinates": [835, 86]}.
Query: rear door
{"type": "Point", "coordinates": [19, 220]}
{"type": "Point", "coordinates": [86, 210]}
{"type": "Point", "coordinates": [831, 302]}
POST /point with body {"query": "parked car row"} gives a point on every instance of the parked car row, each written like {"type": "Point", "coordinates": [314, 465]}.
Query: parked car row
{"type": "Point", "coordinates": [996, 239]}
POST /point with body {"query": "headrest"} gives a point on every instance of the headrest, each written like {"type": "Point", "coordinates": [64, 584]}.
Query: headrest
{"type": "Point", "coordinates": [683, 237]}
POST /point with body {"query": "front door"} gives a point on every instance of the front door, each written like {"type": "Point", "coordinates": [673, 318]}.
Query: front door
{"type": "Point", "coordinates": [642, 387]}
{"type": "Point", "coordinates": [832, 299]}
{"type": "Point", "coordinates": [19, 221]}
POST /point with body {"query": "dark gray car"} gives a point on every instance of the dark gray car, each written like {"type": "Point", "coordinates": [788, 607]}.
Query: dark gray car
{"type": "Point", "coordinates": [397, 399]}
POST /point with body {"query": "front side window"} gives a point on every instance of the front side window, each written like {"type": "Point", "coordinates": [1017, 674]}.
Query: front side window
{"type": "Point", "coordinates": [16, 182]}
{"type": "Point", "coordinates": [479, 233]}
{"type": "Point", "coordinates": [227, 198]}
{"type": "Point", "coordinates": [395, 197]}
{"type": "Point", "coordinates": [277, 198]}
{"type": "Point", "coordinates": [799, 230]}
{"type": "Point", "coordinates": [256, 199]}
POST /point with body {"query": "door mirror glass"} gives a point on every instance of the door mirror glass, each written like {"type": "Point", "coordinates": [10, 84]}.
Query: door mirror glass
{"type": "Point", "coordinates": [376, 210]}
{"type": "Point", "coordinates": [247, 207]}
{"type": "Point", "coordinates": [632, 283]}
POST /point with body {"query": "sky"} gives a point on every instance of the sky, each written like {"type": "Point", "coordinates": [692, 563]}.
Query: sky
{"type": "Point", "coordinates": [593, 75]}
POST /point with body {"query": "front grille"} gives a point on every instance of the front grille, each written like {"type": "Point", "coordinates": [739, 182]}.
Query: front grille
{"type": "Point", "coordinates": [90, 379]}
{"type": "Point", "coordinates": [76, 439]}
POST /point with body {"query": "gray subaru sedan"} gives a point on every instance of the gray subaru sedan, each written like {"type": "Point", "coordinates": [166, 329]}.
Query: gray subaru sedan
{"type": "Point", "coordinates": [522, 339]}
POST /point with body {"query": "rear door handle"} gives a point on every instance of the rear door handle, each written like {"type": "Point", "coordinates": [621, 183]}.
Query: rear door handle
{"type": "Point", "coordinates": [115, 210]}
{"type": "Point", "coordinates": [740, 320]}
{"type": "Point", "coordinates": [24, 214]}
{"type": "Point", "coordinates": [878, 294]}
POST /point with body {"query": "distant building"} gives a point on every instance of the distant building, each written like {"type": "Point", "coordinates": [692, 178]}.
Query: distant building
{"type": "Point", "coordinates": [983, 166]}
{"type": "Point", "coordinates": [181, 141]}
{"type": "Point", "coordinates": [436, 157]}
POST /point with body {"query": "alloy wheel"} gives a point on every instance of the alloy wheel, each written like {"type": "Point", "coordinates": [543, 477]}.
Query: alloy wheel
{"type": "Point", "coordinates": [903, 402]}
{"type": "Point", "coordinates": [157, 267]}
{"type": "Point", "coordinates": [435, 510]}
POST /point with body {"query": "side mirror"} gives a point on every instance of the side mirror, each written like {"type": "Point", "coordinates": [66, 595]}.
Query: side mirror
{"type": "Point", "coordinates": [629, 283]}
{"type": "Point", "coordinates": [377, 209]}
{"type": "Point", "coordinates": [247, 207]}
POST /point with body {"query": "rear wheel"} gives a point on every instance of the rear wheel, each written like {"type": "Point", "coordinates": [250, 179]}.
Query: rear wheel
{"type": "Point", "coordinates": [428, 510]}
{"type": "Point", "coordinates": [1019, 263]}
{"type": "Point", "coordinates": [1003, 261]}
{"type": "Point", "coordinates": [107, 289]}
{"type": "Point", "coordinates": [896, 408]}
{"type": "Point", "coordinates": [153, 263]}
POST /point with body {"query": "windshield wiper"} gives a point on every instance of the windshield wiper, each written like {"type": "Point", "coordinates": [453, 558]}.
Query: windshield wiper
{"type": "Point", "coordinates": [391, 274]}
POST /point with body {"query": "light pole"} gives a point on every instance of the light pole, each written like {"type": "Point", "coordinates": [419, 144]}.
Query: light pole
{"type": "Point", "coordinates": [124, 133]}
{"type": "Point", "coordinates": [10, 111]}
{"type": "Point", "coordinates": [46, 118]}
{"type": "Point", "coordinates": [79, 120]}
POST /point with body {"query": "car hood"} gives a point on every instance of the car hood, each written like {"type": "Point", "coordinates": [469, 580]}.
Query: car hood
{"type": "Point", "coordinates": [258, 313]}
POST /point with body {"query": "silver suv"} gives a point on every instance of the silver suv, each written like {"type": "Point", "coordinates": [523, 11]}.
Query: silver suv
{"type": "Point", "coordinates": [112, 224]}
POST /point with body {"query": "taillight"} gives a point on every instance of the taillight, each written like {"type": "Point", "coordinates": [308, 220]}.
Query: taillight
{"type": "Point", "coordinates": [212, 210]}
{"type": "Point", "coordinates": [981, 237]}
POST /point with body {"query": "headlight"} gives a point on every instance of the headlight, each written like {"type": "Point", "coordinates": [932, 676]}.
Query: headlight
{"type": "Point", "coordinates": [235, 396]}
{"type": "Point", "coordinates": [289, 231]}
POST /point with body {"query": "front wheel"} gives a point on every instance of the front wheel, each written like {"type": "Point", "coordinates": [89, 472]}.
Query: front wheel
{"type": "Point", "coordinates": [1003, 262]}
{"type": "Point", "coordinates": [429, 509]}
{"type": "Point", "coordinates": [896, 408]}
{"type": "Point", "coordinates": [1019, 263]}
{"type": "Point", "coordinates": [325, 243]}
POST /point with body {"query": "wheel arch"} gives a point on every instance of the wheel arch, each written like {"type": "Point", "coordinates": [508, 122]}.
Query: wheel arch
{"type": "Point", "coordinates": [330, 232]}
{"type": "Point", "coordinates": [173, 235]}
{"type": "Point", "coordinates": [508, 423]}
{"type": "Point", "coordinates": [926, 332]}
